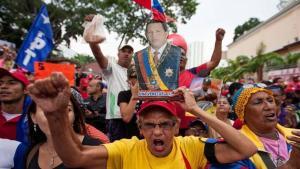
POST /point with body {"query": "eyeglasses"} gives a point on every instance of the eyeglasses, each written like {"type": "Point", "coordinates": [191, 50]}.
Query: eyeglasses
{"type": "Point", "coordinates": [167, 125]}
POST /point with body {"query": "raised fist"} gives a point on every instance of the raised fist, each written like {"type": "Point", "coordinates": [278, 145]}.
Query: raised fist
{"type": "Point", "coordinates": [89, 17]}
{"type": "Point", "coordinates": [51, 94]}
{"type": "Point", "coordinates": [220, 34]}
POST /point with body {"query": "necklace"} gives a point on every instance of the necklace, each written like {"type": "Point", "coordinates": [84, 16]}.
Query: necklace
{"type": "Point", "coordinates": [274, 152]}
{"type": "Point", "coordinates": [279, 160]}
{"type": "Point", "coordinates": [53, 157]}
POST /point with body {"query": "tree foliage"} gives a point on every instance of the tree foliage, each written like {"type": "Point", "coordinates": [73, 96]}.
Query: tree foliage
{"type": "Point", "coordinates": [241, 29]}
{"type": "Point", "coordinates": [293, 58]}
{"type": "Point", "coordinates": [242, 65]}
{"type": "Point", "coordinates": [83, 59]}
{"type": "Point", "coordinates": [124, 17]}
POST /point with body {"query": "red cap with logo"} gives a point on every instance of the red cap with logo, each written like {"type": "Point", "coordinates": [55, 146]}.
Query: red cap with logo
{"type": "Point", "coordinates": [172, 107]}
{"type": "Point", "coordinates": [16, 74]}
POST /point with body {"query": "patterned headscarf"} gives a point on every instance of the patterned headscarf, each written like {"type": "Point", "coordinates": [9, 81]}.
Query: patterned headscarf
{"type": "Point", "coordinates": [241, 98]}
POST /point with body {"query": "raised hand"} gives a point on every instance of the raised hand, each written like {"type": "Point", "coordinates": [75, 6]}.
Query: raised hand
{"type": "Point", "coordinates": [89, 17]}
{"type": "Point", "coordinates": [189, 103]}
{"type": "Point", "coordinates": [220, 34]}
{"type": "Point", "coordinates": [51, 94]}
{"type": "Point", "coordinates": [134, 88]}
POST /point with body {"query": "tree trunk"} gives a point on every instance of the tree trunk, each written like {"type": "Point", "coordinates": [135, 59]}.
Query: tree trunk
{"type": "Point", "coordinates": [123, 37]}
{"type": "Point", "coordinates": [260, 73]}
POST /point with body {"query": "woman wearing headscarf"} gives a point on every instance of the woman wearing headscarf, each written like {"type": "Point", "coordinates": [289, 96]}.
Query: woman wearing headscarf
{"type": "Point", "coordinates": [278, 147]}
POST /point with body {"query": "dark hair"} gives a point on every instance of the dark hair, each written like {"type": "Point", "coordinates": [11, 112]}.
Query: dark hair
{"type": "Point", "coordinates": [198, 122]}
{"type": "Point", "coordinates": [266, 82]}
{"type": "Point", "coordinates": [234, 87]}
{"type": "Point", "coordinates": [275, 80]}
{"type": "Point", "coordinates": [276, 87]}
{"type": "Point", "coordinates": [38, 136]}
{"type": "Point", "coordinates": [292, 96]}
{"type": "Point", "coordinates": [164, 25]}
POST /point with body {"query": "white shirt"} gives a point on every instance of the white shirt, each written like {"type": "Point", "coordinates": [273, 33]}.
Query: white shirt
{"type": "Point", "coordinates": [9, 116]}
{"type": "Point", "coordinates": [7, 153]}
{"type": "Point", "coordinates": [116, 77]}
{"type": "Point", "coordinates": [160, 50]}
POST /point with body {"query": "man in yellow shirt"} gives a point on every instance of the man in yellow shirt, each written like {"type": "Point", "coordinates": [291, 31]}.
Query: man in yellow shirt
{"type": "Point", "coordinates": [159, 124]}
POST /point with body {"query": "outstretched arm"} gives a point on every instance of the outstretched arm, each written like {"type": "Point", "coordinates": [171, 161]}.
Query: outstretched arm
{"type": "Point", "coordinates": [52, 94]}
{"type": "Point", "coordinates": [217, 53]}
{"type": "Point", "coordinates": [101, 59]}
{"type": "Point", "coordinates": [235, 147]}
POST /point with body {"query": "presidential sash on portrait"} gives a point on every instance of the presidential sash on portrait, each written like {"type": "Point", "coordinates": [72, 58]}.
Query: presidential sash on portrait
{"type": "Point", "coordinates": [162, 76]}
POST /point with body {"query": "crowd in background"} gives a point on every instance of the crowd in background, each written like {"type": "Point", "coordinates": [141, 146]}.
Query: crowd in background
{"type": "Point", "coordinates": [104, 108]}
{"type": "Point", "coordinates": [286, 94]}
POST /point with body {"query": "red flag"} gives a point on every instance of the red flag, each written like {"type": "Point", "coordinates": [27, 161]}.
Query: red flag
{"type": "Point", "coordinates": [158, 16]}
{"type": "Point", "coordinates": [145, 3]}
{"type": "Point", "coordinates": [157, 10]}
{"type": "Point", "coordinates": [170, 19]}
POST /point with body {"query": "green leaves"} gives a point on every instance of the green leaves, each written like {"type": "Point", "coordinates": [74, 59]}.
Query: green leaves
{"type": "Point", "coordinates": [124, 17]}
{"type": "Point", "coordinates": [83, 59]}
{"type": "Point", "coordinates": [241, 29]}
{"type": "Point", "coordinates": [242, 65]}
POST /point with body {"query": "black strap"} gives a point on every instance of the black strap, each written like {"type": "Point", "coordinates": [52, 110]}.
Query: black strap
{"type": "Point", "coordinates": [209, 151]}
{"type": "Point", "coordinates": [266, 159]}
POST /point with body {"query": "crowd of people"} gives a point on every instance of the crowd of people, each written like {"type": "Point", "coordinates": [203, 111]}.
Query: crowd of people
{"type": "Point", "coordinates": [100, 122]}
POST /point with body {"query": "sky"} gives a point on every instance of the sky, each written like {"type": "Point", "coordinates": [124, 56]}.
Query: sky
{"type": "Point", "coordinates": [210, 15]}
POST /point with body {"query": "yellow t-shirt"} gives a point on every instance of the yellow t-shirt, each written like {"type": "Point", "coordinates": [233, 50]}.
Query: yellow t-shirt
{"type": "Point", "coordinates": [134, 154]}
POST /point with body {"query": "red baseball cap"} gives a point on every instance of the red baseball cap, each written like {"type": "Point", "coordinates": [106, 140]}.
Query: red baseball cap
{"type": "Point", "coordinates": [172, 107]}
{"type": "Point", "coordinates": [16, 74]}
{"type": "Point", "coordinates": [178, 40]}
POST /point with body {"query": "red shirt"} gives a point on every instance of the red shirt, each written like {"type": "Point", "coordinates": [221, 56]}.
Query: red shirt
{"type": "Point", "coordinates": [8, 129]}
{"type": "Point", "coordinates": [95, 133]}
{"type": "Point", "coordinates": [186, 77]}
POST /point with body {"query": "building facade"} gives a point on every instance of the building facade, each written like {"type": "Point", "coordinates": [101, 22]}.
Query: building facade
{"type": "Point", "coordinates": [280, 34]}
{"type": "Point", "coordinates": [195, 54]}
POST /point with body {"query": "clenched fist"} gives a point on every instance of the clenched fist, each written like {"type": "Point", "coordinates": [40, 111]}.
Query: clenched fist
{"type": "Point", "coordinates": [220, 34]}
{"type": "Point", "coordinates": [51, 94]}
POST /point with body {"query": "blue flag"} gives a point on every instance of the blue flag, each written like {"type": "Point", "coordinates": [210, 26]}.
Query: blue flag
{"type": "Point", "coordinates": [38, 42]}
